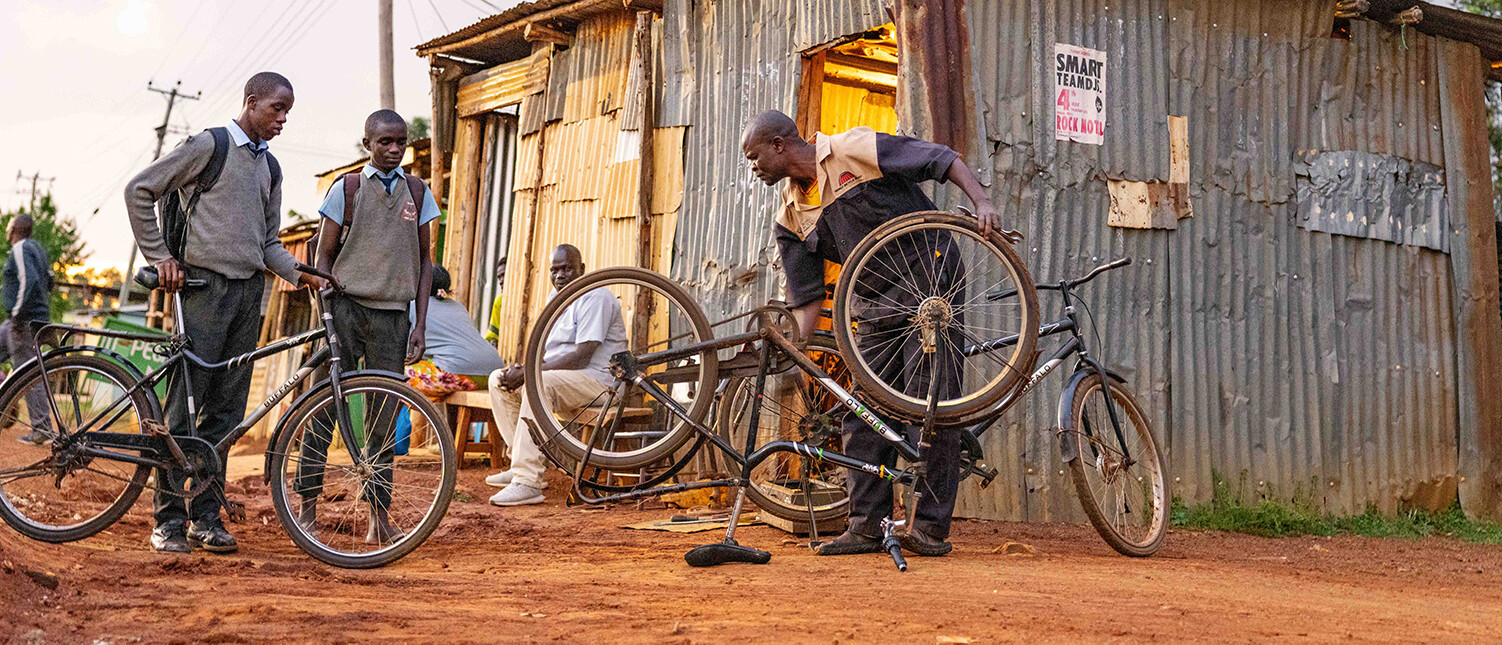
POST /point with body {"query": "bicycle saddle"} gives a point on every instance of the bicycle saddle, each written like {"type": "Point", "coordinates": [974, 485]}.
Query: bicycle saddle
{"type": "Point", "coordinates": [709, 555]}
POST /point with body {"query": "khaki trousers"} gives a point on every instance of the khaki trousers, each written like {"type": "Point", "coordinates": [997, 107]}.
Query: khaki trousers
{"type": "Point", "coordinates": [565, 390]}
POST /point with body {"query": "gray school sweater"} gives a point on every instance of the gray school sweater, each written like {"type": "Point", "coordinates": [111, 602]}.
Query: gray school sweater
{"type": "Point", "coordinates": [232, 230]}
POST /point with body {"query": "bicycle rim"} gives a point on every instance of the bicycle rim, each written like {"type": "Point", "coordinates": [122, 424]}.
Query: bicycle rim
{"type": "Point", "coordinates": [628, 427]}
{"type": "Point", "coordinates": [1121, 486]}
{"type": "Point", "coordinates": [787, 485]}
{"type": "Point", "coordinates": [936, 267]}
{"type": "Point", "coordinates": [61, 495]}
{"type": "Point", "coordinates": [409, 485]}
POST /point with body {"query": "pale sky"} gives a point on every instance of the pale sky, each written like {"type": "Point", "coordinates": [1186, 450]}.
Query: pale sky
{"type": "Point", "coordinates": [76, 105]}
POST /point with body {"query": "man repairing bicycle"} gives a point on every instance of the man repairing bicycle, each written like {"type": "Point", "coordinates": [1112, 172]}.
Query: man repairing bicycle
{"type": "Point", "coordinates": [841, 187]}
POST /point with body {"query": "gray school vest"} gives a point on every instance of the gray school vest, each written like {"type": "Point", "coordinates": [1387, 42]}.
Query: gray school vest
{"type": "Point", "coordinates": [379, 262]}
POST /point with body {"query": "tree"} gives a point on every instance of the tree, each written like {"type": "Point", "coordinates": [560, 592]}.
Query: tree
{"type": "Point", "coordinates": [417, 128]}
{"type": "Point", "coordinates": [59, 236]}
{"type": "Point", "coordinates": [1491, 8]}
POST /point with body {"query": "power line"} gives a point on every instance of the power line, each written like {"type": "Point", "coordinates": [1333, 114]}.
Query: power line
{"type": "Point", "coordinates": [264, 45]}
{"type": "Point", "coordinates": [415, 24]}
{"type": "Point", "coordinates": [161, 136]}
{"type": "Point", "coordinates": [35, 177]}
{"type": "Point", "coordinates": [178, 39]}
{"type": "Point", "coordinates": [281, 39]}
{"type": "Point", "coordinates": [212, 32]}
{"type": "Point", "coordinates": [441, 21]}
{"type": "Point", "coordinates": [245, 31]}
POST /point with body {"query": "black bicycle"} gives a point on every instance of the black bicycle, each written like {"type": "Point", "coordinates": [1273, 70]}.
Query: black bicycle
{"type": "Point", "coordinates": [924, 294]}
{"type": "Point", "coordinates": [100, 431]}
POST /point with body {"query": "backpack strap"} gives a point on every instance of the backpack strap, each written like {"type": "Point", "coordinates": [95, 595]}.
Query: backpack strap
{"type": "Point", "coordinates": [276, 170]}
{"type": "Point", "coordinates": [351, 183]}
{"type": "Point", "coordinates": [416, 187]}
{"type": "Point", "coordinates": [211, 172]}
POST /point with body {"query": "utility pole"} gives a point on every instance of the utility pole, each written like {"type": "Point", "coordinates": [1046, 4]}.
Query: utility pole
{"type": "Point", "coordinates": [161, 136]}
{"type": "Point", "coordinates": [34, 178]}
{"type": "Point", "coordinates": [388, 88]}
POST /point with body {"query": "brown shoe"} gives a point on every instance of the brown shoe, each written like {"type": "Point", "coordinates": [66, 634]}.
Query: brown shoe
{"type": "Point", "coordinates": [920, 543]}
{"type": "Point", "coordinates": [849, 543]}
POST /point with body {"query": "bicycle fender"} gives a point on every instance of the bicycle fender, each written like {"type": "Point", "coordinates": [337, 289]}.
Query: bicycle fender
{"type": "Point", "coordinates": [316, 388]}
{"type": "Point", "coordinates": [1067, 448]}
{"type": "Point", "coordinates": [156, 405]}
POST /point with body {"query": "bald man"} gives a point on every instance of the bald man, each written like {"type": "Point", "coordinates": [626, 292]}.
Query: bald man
{"type": "Point", "coordinates": [840, 188]}
{"type": "Point", "coordinates": [575, 372]}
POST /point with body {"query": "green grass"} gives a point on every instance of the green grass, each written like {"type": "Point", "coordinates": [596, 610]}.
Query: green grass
{"type": "Point", "coordinates": [1300, 516]}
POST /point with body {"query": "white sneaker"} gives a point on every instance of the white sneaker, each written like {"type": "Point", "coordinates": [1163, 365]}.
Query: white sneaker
{"type": "Point", "coordinates": [500, 479]}
{"type": "Point", "coordinates": [517, 494]}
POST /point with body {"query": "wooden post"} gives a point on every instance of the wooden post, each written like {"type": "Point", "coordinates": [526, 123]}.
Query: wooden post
{"type": "Point", "coordinates": [529, 258]}
{"type": "Point", "coordinates": [811, 95]}
{"type": "Point", "coordinates": [464, 207]}
{"type": "Point", "coordinates": [645, 90]}
{"type": "Point", "coordinates": [1473, 258]}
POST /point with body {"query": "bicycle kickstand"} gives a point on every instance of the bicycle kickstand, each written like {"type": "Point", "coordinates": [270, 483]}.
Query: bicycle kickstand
{"type": "Point", "coordinates": [708, 555]}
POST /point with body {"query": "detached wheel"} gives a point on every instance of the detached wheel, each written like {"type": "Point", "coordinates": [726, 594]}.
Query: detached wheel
{"type": "Point", "coordinates": [659, 316]}
{"type": "Point", "coordinates": [936, 266]}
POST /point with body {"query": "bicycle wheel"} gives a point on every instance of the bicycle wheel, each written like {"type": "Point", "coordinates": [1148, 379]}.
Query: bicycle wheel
{"type": "Point", "coordinates": [52, 492]}
{"type": "Point", "coordinates": [657, 316]}
{"type": "Point", "coordinates": [1120, 486]}
{"type": "Point", "coordinates": [410, 487]}
{"type": "Point", "coordinates": [793, 410]}
{"type": "Point", "coordinates": [930, 279]}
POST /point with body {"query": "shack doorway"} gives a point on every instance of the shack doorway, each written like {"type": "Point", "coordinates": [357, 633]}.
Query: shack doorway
{"type": "Point", "coordinates": [848, 83]}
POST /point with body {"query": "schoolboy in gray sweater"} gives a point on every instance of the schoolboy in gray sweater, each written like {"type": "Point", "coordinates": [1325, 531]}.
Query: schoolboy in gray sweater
{"type": "Point", "coordinates": [232, 238]}
{"type": "Point", "coordinates": [383, 262]}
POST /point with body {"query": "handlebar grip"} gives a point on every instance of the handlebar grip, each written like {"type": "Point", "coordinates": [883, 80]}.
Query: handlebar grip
{"type": "Point", "coordinates": [147, 277]}
{"type": "Point", "coordinates": [894, 548]}
{"type": "Point", "coordinates": [333, 281]}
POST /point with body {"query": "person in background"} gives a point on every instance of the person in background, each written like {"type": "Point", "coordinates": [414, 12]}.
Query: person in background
{"type": "Point", "coordinates": [575, 371]}
{"type": "Point", "coordinates": [493, 328]}
{"type": "Point", "coordinates": [26, 294]}
{"type": "Point", "coordinates": [457, 358]}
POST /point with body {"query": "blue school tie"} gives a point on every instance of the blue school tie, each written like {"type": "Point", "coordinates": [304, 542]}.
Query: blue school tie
{"type": "Point", "coordinates": [388, 182]}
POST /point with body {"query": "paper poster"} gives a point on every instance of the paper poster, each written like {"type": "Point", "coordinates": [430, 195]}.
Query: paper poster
{"type": "Point", "coordinates": [1079, 94]}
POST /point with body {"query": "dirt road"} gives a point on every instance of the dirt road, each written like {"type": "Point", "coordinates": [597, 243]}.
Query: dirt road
{"type": "Point", "coordinates": [550, 573]}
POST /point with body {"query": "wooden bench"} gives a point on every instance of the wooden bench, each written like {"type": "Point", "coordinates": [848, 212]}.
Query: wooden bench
{"type": "Point", "coordinates": [466, 408]}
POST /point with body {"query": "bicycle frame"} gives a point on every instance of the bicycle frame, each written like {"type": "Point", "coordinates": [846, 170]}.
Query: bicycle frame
{"type": "Point", "coordinates": [179, 360]}
{"type": "Point", "coordinates": [628, 368]}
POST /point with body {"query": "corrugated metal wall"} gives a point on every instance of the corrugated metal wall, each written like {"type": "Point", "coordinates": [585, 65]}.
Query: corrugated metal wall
{"type": "Point", "coordinates": [1319, 365]}
{"type": "Point", "coordinates": [588, 186]}
{"type": "Point", "coordinates": [746, 55]}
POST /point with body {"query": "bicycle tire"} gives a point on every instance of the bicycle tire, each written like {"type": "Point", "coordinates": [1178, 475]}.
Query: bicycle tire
{"type": "Point", "coordinates": [140, 401]}
{"type": "Point", "coordinates": [439, 432]}
{"type": "Point", "coordinates": [549, 432]}
{"type": "Point", "coordinates": [908, 407]}
{"type": "Point", "coordinates": [763, 500]}
{"type": "Point", "coordinates": [1089, 459]}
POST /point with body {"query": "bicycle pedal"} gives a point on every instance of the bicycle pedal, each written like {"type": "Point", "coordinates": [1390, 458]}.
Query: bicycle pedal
{"type": "Point", "coordinates": [235, 511]}
{"type": "Point", "coordinates": [154, 427]}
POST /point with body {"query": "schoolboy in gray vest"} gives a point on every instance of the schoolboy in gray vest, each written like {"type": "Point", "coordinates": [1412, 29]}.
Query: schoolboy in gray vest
{"type": "Point", "coordinates": [232, 238]}
{"type": "Point", "coordinates": [383, 262]}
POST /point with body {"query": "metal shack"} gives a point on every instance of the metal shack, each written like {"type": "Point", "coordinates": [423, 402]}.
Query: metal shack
{"type": "Point", "coordinates": [1305, 186]}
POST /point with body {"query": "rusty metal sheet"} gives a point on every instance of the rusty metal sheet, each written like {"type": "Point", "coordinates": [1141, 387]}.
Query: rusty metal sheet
{"type": "Point", "coordinates": [487, 90]}
{"type": "Point", "coordinates": [1380, 197]}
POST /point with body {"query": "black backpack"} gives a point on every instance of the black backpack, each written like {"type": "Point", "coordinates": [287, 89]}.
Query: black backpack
{"type": "Point", "coordinates": [173, 214]}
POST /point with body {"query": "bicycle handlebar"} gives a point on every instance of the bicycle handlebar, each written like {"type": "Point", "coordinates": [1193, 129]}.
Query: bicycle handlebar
{"type": "Point", "coordinates": [333, 281]}
{"type": "Point", "coordinates": [147, 277]}
{"type": "Point", "coordinates": [1099, 270]}
{"type": "Point", "coordinates": [1069, 284]}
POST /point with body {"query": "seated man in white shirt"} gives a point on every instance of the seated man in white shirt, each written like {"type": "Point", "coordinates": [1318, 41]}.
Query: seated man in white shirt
{"type": "Point", "coordinates": [575, 371]}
